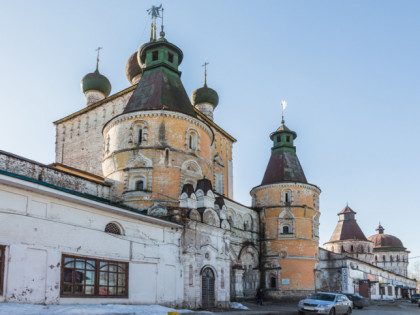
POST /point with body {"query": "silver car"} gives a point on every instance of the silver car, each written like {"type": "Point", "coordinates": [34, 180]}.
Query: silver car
{"type": "Point", "coordinates": [325, 303]}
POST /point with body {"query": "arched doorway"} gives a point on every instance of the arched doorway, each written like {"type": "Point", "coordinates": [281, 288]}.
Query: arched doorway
{"type": "Point", "coordinates": [207, 288]}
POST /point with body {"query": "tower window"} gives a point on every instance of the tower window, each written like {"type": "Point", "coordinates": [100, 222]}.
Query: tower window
{"type": "Point", "coordinates": [286, 197]}
{"type": "Point", "coordinates": [170, 57]}
{"type": "Point", "coordinates": [351, 248]}
{"type": "Point", "coordinates": [192, 142]}
{"type": "Point", "coordinates": [140, 185]}
{"type": "Point", "coordinates": [155, 55]}
{"type": "Point", "coordinates": [140, 139]}
{"type": "Point", "coordinates": [285, 229]}
{"type": "Point", "coordinates": [288, 138]}
{"type": "Point", "coordinates": [278, 139]}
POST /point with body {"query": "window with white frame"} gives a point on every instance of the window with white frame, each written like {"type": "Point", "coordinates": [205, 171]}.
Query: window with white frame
{"type": "Point", "coordinates": [286, 223]}
{"type": "Point", "coordinates": [138, 133]}
{"type": "Point", "coordinates": [192, 140]}
{"type": "Point", "coordinates": [286, 196]}
{"type": "Point", "coordinates": [89, 277]}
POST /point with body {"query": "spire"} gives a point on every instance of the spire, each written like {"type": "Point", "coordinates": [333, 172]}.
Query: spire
{"type": "Point", "coordinates": [380, 229]}
{"type": "Point", "coordinates": [97, 59]}
{"type": "Point", "coordinates": [284, 165]}
{"type": "Point", "coordinates": [205, 73]}
{"type": "Point", "coordinates": [283, 107]}
{"type": "Point", "coordinates": [154, 12]}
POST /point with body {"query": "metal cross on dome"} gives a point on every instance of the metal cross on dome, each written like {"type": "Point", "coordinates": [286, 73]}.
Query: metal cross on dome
{"type": "Point", "coordinates": [154, 12]}
{"type": "Point", "coordinates": [205, 71]}
{"type": "Point", "coordinates": [97, 57]}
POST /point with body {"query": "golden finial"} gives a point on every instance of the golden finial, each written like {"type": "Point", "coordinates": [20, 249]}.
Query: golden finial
{"type": "Point", "coordinates": [205, 72]}
{"type": "Point", "coordinates": [97, 57]}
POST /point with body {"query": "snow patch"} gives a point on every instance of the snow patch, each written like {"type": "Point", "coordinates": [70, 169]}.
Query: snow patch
{"type": "Point", "coordinates": [95, 309]}
{"type": "Point", "coordinates": [237, 305]}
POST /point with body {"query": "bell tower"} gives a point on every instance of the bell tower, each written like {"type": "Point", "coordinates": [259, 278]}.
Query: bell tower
{"type": "Point", "coordinates": [289, 214]}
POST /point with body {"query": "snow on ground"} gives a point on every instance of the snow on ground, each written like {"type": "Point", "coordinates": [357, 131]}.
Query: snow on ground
{"type": "Point", "coordinates": [95, 309]}
{"type": "Point", "coordinates": [237, 305]}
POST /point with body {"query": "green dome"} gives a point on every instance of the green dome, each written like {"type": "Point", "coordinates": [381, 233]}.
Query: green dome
{"type": "Point", "coordinates": [205, 95]}
{"type": "Point", "coordinates": [96, 82]}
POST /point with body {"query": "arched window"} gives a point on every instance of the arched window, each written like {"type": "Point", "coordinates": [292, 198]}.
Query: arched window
{"type": "Point", "coordinates": [351, 248]}
{"type": "Point", "coordinates": [113, 228]}
{"type": "Point", "coordinates": [140, 137]}
{"type": "Point", "coordinates": [192, 142]}
{"type": "Point", "coordinates": [140, 185]}
{"type": "Point", "coordinates": [285, 229]}
{"type": "Point", "coordinates": [286, 197]}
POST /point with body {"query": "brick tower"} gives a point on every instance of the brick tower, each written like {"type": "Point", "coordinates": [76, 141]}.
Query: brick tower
{"type": "Point", "coordinates": [289, 216]}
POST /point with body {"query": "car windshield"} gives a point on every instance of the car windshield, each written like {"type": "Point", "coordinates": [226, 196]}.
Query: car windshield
{"type": "Point", "coordinates": [322, 297]}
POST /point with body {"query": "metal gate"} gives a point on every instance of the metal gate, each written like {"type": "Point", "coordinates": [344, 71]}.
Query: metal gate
{"type": "Point", "coordinates": [207, 288]}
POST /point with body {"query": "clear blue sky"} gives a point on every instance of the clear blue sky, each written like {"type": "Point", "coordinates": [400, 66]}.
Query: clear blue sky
{"type": "Point", "coordinates": [349, 71]}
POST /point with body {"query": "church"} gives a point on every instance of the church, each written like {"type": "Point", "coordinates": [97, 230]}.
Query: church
{"type": "Point", "coordinates": [138, 207]}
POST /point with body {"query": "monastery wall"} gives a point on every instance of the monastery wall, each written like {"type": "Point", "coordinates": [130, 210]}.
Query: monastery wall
{"type": "Point", "coordinates": [44, 228]}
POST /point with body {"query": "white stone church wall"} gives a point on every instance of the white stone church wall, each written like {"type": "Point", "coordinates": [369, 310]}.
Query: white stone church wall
{"type": "Point", "coordinates": [79, 140]}
{"type": "Point", "coordinates": [37, 229]}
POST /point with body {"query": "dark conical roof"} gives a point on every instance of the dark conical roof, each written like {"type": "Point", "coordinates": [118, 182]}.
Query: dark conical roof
{"type": "Point", "coordinates": [347, 227]}
{"type": "Point", "coordinates": [160, 89]}
{"type": "Point", "coordinates": [284, 166]}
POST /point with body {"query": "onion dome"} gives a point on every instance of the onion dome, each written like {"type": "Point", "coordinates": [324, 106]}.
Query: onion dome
{"type": "Point", "coordinates": [133, 71]}
{"type": "Point", "coordinates": [205, 95]}
{"type": "Point", "coordinates": [386, 242]}
{"type": "Point", "coordinates": [96, 82]}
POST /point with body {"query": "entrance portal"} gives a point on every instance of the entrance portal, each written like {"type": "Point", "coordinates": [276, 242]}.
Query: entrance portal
{"type": "Point", "coordinates": [207, 288]}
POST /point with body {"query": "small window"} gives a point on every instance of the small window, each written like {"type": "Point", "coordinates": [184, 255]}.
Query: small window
{"type": "Point", "coordinates": [286, 197]}
{"type": "Point", "coordinates": [113, 229]}
{"type": "Point", "coordinates": [1, 268]}
{"type": "Point", "coordinates": [383, 258]}
{"type": "Point", "coordinates": [278, 139]}
{"type": "Point", "coordinates": [342, 248]}
{"type": "Point", "coordinates": [376, 258]}
{"type": "Point", "coordinates": [140, 185]}
{"type": "Point", "coordinates": [192, 142]}
{"type": "Point", "coordinates": [88, 277]}
{"type": "Point", "coordinates": [351, 248]}
{"type": "Point", "coordinates": [288, 138]}
{"type": "Point", "coordinates": [273, 282]}
{"type": "Point", "coordinates": [155, 55]}
{"type": "Point", "coordinates": [285, 229]}
{"type": "Point", "coordinates": [140, 138]}
{"type": "Point", "coordinates": [170, 57]}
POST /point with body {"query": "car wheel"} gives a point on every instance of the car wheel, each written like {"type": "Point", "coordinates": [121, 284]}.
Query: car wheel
{"type": "Point", "coordinates": [348, 311]}
{"type": "Point", "coordinates": [332, 311]}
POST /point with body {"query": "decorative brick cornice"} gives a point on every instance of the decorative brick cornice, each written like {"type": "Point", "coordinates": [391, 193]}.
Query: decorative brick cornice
{"type": "Point", "coordinates": [153, 114]}
{"type": "Point", "coordinates": [290, 184]}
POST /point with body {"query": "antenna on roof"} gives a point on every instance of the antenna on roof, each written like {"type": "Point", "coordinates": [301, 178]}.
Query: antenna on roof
{"type": "Point", "coordinates": [205, 72]}
{"type": "Point", "coordinates": [283, 107]}
{"type": "Point", "coordinates": [97, 57]}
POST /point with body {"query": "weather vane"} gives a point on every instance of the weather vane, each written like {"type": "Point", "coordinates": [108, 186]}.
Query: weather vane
{"type": "Point", "coordinates": [154, 12]}
{"type": "Point", "coordinates": [97, 57]}
{"type": "Point", "coordinates": [205, 72]}
{"type": "Point", "coordinates": [283, 107]}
